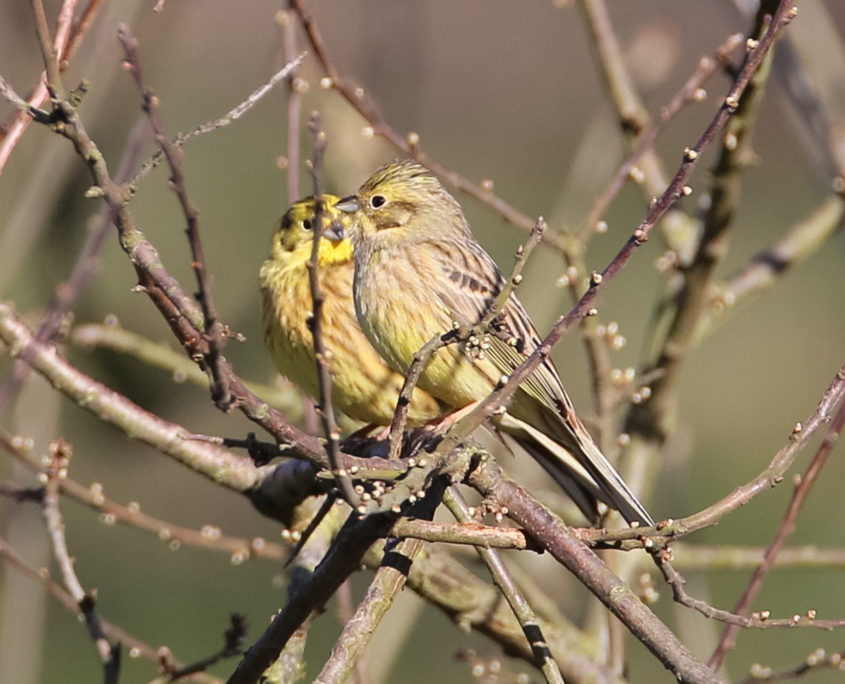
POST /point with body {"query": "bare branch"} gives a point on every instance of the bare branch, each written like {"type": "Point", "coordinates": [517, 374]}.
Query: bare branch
{"type": "Point", "coordinates": [215, 124]}
{"type": "Point", "coordinates": [803, 485]}
{"type": "Point", "coordinates": [109, 652]}
{"type": "Point", "coordinates": [213, 329]}
{"type": "Point", "coordinates": [358, 631]}
{"type": "Point", "coordinates": [516, 600]}
{"type": "Point", "coordinates": [676, 189]}
{"type": "Point", "coordinates": [553, 535]}
{"type": "Point", "coordinates": [324, 378]}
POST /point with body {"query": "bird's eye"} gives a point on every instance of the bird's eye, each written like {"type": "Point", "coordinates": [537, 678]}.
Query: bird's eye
{"type": "Point", "coordinates": [306, 224]}
{"type": "Point", "coordinates": [377, 201]}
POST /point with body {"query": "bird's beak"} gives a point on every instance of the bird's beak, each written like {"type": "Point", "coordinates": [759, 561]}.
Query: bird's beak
{"type": "Point", "coordinates": [348, 204]}
{"type": "Point", "coordinates": [335, 231]}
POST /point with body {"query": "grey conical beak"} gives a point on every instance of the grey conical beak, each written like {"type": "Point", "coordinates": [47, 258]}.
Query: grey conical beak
{"type": "Point", "coordinates": [348, 204]}
{"type": "Point", "coordinates": [335, 231]}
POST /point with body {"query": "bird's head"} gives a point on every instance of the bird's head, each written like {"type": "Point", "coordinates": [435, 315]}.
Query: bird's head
{"type": "Point", "coordinates": [295, 232]}
{"type": "Point", "coordinates": [401, 201]}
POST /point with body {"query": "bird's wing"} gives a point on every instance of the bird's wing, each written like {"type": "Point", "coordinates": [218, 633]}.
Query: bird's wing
{"type": "Point", "coordinates": [475, 282]}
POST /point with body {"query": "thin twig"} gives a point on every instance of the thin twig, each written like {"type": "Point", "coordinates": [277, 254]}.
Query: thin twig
{"type": "Point", "coordinates": [84, 269]}
{"type": "Point", "coordinates": [315, 323]}
{"type": "Point", "coordinates": [409, 145]}
{"type": "Point", "coordinates": [209, 126]}
{"type": "Point", "coordinates": [49, 53]}
{"type": "Point", "coordinates": [804, 485]}
{"type": "Point", "coordinates": [213, 329]}
{"type": "Point", "coordinates": [504, 581]}
{"type": "Point", "coordinates": [233, 638]}
{"type": "Point", "coordinates": [758, 620]}
{"type": "Point", "coordinates": [675, 190]}
{"type": "Point", "coordinates": [409, 384]}
{"type": "Point", "coordinates": [109, 652]}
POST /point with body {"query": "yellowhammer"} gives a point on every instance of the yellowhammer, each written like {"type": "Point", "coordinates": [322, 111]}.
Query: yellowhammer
{"type": "Point", "coordinates": [418, 271]}
{"type": "Point", "coordinates": [363, 387]}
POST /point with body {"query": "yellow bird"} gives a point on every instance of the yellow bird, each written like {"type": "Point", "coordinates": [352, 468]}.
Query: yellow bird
{"type": "Point", "coordinates": [418, 271]}
{"type": "Point", "coordinates": [363, 386]}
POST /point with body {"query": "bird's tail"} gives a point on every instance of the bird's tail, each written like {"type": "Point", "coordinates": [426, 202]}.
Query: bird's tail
{"type": "Point", "coordinates": [587, 478]}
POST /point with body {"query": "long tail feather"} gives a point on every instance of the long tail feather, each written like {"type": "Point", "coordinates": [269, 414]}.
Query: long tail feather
{"type": "Point", "coordinates": [586, 479]}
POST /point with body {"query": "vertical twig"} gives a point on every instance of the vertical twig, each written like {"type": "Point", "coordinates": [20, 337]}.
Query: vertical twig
{"type": "Point", "coordinates": [212, 328]}
{"type": "Point", "coordinates": [109, 653]}
{"type": "Point", "coordinates": [502, 578]}
{"type": "Point", "coordinates": [324, 379]}
{"type": "Point", "coordinates": [48, 49]}
{"type": "Point", "coordinates": [294, 105]}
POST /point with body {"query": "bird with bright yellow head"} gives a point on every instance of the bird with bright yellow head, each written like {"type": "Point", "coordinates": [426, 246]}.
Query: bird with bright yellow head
{"type": "Point", "coordinates": [363, 386]}
{"type": "Point", "coordinates": [418, 272]}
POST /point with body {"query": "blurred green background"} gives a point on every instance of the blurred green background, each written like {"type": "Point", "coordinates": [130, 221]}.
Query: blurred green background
{"type": "Point", "coordinates": [497, 90]}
